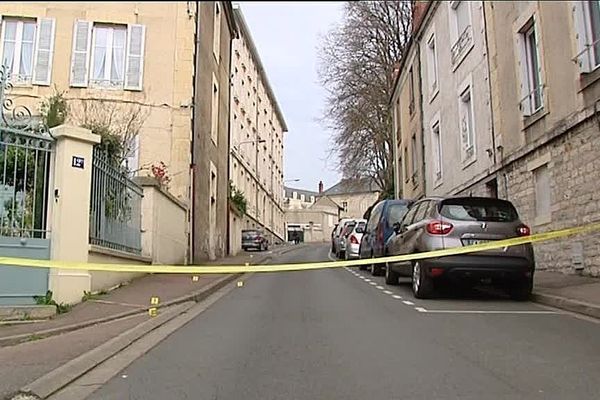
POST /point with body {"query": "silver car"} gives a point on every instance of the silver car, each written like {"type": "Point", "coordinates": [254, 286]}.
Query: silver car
{"type": "Point", "coordinates": [351, 242]}
{"type": "Point", "coordinates": [337, 234]}
{"type": "Point", "coordinates": [442, 223]}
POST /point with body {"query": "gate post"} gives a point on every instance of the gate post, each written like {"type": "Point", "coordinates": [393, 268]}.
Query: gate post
{"type": "Point", "coordinates": [69, 210]}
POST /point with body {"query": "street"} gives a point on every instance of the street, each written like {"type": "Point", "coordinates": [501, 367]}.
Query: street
{"type": "Point", "coordinates": [332, 335]}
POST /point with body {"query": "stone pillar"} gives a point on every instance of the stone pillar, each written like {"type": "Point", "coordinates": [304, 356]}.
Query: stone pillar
{"type": "Point", "coordinates": [69, 210]}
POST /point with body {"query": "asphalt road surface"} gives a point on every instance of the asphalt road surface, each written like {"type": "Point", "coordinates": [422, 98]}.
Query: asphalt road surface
{"type": "Point", "coordinates": [342, 334]}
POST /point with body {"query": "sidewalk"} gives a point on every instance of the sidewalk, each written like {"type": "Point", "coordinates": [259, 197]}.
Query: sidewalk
{"type": "Point", "coordinates": [133, 298]}
{"type": "Point", "coordinates": [575, 293]}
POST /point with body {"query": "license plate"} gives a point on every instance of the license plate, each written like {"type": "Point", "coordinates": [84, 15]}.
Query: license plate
{"type": "Point", "coordinates": [469, 242]}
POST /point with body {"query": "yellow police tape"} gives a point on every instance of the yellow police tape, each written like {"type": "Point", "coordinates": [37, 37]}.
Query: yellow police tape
{"type": "Point", "coordinates": [234, 269]}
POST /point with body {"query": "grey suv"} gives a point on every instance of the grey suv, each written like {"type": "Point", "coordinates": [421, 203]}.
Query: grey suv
{"type": "Point", "coordinates": [442, 223]}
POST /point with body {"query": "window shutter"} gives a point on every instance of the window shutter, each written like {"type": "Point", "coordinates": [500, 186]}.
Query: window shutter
{"type": "Point", "coordinates": [80, 61]}
{"type": "Point", "coordinates": [579, 23]}
{"type": "Point", "coordinates": [44, 51]}
{"type": "Point", "coordinates": [134, 67]}
{"type": "Point", "coordinates": [538, 54]}
{"type": "Point", "coordinates": [524, 104]}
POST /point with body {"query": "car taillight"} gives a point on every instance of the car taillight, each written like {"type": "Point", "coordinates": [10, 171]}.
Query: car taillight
{"type": "Point", "coordinates": [523, 230]}
{"type": "Point", "coordinates": [353, 239]}
{"type": "Point", "coordinates": [439, 227]}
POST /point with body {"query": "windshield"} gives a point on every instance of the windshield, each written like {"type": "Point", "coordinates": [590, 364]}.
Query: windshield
{"type": "Point", "coordinates": [396, 213]}
{"type": "Point", "coordinates": [478, 210]}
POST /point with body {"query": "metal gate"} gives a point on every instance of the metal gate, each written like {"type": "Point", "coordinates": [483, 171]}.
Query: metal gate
{"type": "Point", "coordinates": [25, 153]}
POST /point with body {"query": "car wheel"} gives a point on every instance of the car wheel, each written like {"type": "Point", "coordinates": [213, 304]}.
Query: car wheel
{"type": "Point", "coordinates": [521, 290]}
{"type": "Point", "coordinates": [422, 285]}
{"type": "Point", "coordinates": [391, 277]}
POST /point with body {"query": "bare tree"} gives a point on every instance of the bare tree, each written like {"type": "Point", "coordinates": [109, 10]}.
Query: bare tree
{"type": "Point", "coordinates": [357, 58]}
{"type": "Point", "coordinates": [117, 123]}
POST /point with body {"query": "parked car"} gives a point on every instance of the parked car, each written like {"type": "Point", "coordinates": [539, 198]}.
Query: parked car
{"type": "Point", "coordinates": [335, 239]}
{"type": "Point", "coordinates": [379, 228]}
{"type": "Point", "coordinates": [351, 242]}
{"type": "Point", "coordinates": [332, 236]}
{"type": "Point", "coordinates": [254, 239]}
{"type": "Point", "coordinates": [348, 228]}
{"type": "Point", "coordinates": [443, 223]}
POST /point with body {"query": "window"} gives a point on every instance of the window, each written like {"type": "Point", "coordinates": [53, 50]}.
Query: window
{"type": "Point", "coordinates": [214, 119]}
{"type": "Point", "coordinates": [217, 32]}
{"type": "Point", "coordinates": [345, 205]}
{"type": "Point", "coordinates": [432, 69]}
{"type": "Point", "coordinates": [107, 56]}
{"type": "Point", "coordinates": [587, 32]}
{"type": "Point", "coordinates": [531, 87]}
{"type": "Point", "coordinates": [414, 157]}
{"type": "Point", "coordinates": [460, 32]}
{"type": "Point", "coordinates": [542, 194]}
{"type": "Point", "coordinates": [421, 212]}
{"type": "Point", "coordinates": [406, 174]}
{"type": "Point", "coordinates": [411, 88]}
{"type": "Point", "coordinates": [437, 151]}
{"type": "Point", "coordinates": [27, 48]}
{"type": "Point", "coordinates": [294, 195]}
{"type": "Point", "coordinates": [467, 131]}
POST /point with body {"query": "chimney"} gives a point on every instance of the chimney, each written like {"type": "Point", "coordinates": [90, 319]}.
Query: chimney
{"type": "Point", "coordinates": [420, 7]}
{"type": "Point", "coordinates": [320, 187]}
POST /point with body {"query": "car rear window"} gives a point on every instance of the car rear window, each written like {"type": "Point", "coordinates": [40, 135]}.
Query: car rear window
{"type": "Point", "coordinates": [396, 213]}
{"type": "Point", "coordinates": [491, 210]}
{"type": "Point", "coordinates": [249, 234]}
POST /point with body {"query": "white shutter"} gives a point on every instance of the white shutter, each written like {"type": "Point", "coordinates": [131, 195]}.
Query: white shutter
{"type": "Point", "coordinates": [580, 26]}
{"type": "Point", "coordinates": [538, 54]}
{"type": "Point", "coordinates": [134, 66]}
{"type": "Point", "coordinates": [523, 82]}
{"type": "Point", "coordinates": [44, 50]}
{"type": "Point", "coordinates": [80, 61]}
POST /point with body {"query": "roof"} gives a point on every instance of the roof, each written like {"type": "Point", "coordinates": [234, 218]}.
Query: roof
{"type": "Point", "coordinates": [307, 193]}
{"type": "Point", "coordinates": [245, 31]}
{"type": "Point", "coordinates": [350, 186]}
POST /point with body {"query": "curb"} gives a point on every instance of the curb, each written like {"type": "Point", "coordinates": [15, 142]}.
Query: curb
{"type": "Point", "coordinates": [55, 380]}
{"type": "Point", "coordinates": [580, 307]}
{"type": "Point", "coordinates": [194, 296]}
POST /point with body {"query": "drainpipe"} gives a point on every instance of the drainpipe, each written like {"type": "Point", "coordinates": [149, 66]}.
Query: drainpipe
{"type": "Point", "coordinates": [229, 84]}
{"type": "Point", "coordinates": [487, 51]}
{"type": "Point", "coordinates": [193, 141]}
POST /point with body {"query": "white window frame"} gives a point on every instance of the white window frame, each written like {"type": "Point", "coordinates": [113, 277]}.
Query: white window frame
{"type": "Point", "coordinates": [217, 16]}
{"type": "Point", "coordinates": [214, 110]}
{"type": "Point", "coordinates": [456, 36]}
{"type": "Point", "coordinates": [468, 146]}
{"type": "Point", "coordinates": [586, 55]}
{"type": "Point", "coordinates": [432, 67]}
{"type": "Point", "coordinates": [16, 77]}
{"type": "Point", "coordinates": [107, 83]}
{"type": "Point", "coordinates": [436, 145]}
{"type": "Point", "coordinates": [528, 73]}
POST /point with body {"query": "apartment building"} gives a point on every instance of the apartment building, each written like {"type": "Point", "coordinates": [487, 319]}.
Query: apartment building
{"type": "Point", "coordinates": [515, 113]}
{"type": "Point", "coordinates": [216, 30]}
{"type": "Point", "coordinates": [256, 142]}
{"type": "Point", "coordinates": [112, 61]}
{"type": "Point", "coordinates": [134, 64]}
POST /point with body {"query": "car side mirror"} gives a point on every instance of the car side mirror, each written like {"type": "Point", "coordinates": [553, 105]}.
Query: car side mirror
{"type": "Point", "coordinates": [397, 227]}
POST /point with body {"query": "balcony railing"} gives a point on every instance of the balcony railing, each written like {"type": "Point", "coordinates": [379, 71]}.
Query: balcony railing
{"type": "Point", "coordinates": [464, 42]}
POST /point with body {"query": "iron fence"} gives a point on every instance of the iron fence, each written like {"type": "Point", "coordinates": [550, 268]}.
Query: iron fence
{"type": "Point", "coordinates": [115, 206]}
{"type": "Point", "coordinates": [24, 176]}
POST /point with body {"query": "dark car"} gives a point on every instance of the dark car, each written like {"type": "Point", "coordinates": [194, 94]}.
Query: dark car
{"type": "Point", "coordinates": [442, 223]}
{"type": "Point", "coordinates": [254, 239]}
{"type": "Point", "coordinates": [380, 227]}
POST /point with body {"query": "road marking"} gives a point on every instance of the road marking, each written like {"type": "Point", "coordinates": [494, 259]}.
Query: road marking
{"type": "Point", "coordinates": [408, 303]}
{"type": "Point", "coordinates": [397, 297]}
{"type": "Point", "coordinates": [367, 280]}
{"type": "Point", "coordinates": [387, 292]}
{"type": "Point", "coordinates": [379, 287]}
{"type": "Point", "coordinates": [488, 312]}
{"type": "Point", "coordinates": [372, 283]}
{"type": "Point", "coordinates": [362, 277]}
{"type": "Point", "coordinates": [420, 309]}
{"type": "Point", "coordinates": [330, 256]}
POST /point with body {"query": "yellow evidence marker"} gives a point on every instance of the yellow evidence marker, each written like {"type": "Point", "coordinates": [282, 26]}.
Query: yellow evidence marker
{"type": "Point", "coordinates": [154, 301]}
{"type": "Point", "coordinates": [153, 311]}
{"type": "Point", "coordinates": [195, 278]}
{"type": "Point", "coordinates": [240, 283]}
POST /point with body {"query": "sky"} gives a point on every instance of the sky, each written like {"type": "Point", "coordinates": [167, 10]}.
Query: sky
{"type": "Point", "coordinates": [286, 35]}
